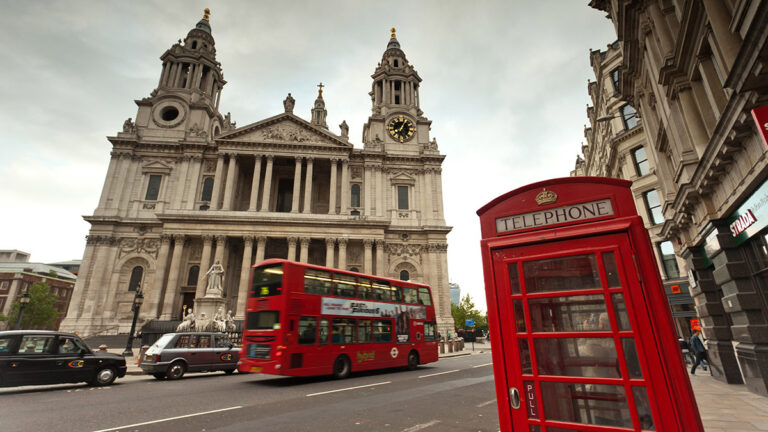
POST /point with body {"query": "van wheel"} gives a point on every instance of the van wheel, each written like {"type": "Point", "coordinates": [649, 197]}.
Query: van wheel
{"type": "Point", "coordinates": [413, 360]}
{"type": "Point", "coordinates": [341, 367]}
{"type": "Point", "coordinates": [104, 377]}
{"type": "Point", "coordinates": [176, 370]}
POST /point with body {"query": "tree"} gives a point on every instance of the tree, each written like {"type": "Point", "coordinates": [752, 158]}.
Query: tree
{"type": "Point", "coordinates": [466, 310]}
{"type": "Point", "coordinates": [40, 312]}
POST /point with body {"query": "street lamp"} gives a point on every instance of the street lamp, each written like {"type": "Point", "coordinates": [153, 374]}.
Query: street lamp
{"type": "Point", "coordinates": [138, 299]}
{"type": "Point", "coordinates": [23, 299]}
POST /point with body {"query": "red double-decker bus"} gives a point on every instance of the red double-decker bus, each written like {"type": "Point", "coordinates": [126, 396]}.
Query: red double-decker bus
{"type": "Point", "coordinates": [306, 320]}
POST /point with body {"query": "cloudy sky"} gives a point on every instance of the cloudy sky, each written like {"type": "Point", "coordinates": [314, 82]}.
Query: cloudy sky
{"type": "Point", "coordinates": [504, 83]}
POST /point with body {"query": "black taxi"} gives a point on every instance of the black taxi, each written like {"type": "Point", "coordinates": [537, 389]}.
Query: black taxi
{"type": "Point", "coordinates": [37, 357]}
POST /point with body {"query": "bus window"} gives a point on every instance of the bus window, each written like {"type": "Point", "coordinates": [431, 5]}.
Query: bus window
{"type": "Point", "coordinates": [317, 282]}
{"type": "Point", "coordinates": [411, 295]}
{"type": "Point", "coordinates": [307, 330]}
{"type": "Point", "coordinates": [364, 331]}
{"type": "Point", "coordinates": [363, 288]}
{"type": "Point", "coordinates": [397, 294]}
{"type": "Point", "coordinates": [382, 331]}
{"type": "Point", "coordinates": [381, 290]}
{"type": "Point", "coordinates": [323, 331]}
{"type": "Point", "coordinates": [343, 329]}
{"type": "Point", "coordinates": [267, 281]}
{"type": "Point", "coordinates": [263, 320]}
{"type": "Point", "coordinates": [424, 296]}
{"type": "Point", "coordinates": [345, 285]}
{"type": "Point", "coordinates": [429, 331]}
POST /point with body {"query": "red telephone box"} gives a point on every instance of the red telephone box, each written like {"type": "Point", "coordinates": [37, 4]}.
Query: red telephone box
{"type": "Point", "coordinates": [582, 334]}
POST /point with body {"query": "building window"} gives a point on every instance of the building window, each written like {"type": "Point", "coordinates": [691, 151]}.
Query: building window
{"type": "Point", "coordinates": [207, 189]}
{"type": "Point", "coordinates": [641, 161]}
{"type": "Point", "coordinates": [667, 253]}
{"type": "Point", "coordinates": [354, 199]}
{"type": "Point", "coordinates": [653, 204]}
{"type": "Point", "coordinates": [629, 116]}
{"type": "Point", "coordinates": [615, 79]}
{"type": "Point", "coordinates": [153, 187]}
{"type": "Point", "coordinates": [402, 197]}
{"type": "Point", "coordinates": [404, 275]}
{"type": "Point", "coordinates": [192, 275]}
{"type": "Point", "coordinates": [136, 275]}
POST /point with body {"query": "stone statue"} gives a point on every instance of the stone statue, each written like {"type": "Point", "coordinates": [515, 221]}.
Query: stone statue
{"type": "Point", "coordinates": [218, 323]}
{"type": "Point", "coordinates": [229, 322]}
{"type": "Point", "coordinates": [214, 275]}
{"type": "Point", "coordinates": [344, 129]}
{"type": "Point", "coordinates": [188, 324]}
{"type": "Point", "coordinates": [129, 126]}
{"type": "Point", "coordinates": [288, 104]}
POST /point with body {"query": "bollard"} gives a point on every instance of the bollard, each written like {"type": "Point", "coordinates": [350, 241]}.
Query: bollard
{"type": "Point", "coordinates": [442, 347]}
{"type": "Point", "coordinates": [450, 346]}
{"type": "Point", "coordinates": [103, 348]}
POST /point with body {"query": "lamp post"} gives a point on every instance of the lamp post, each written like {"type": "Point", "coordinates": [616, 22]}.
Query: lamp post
{"type": "Point", "coordinates": [23, 300]}
{"type": "Point", "coordinates": [138, 299]}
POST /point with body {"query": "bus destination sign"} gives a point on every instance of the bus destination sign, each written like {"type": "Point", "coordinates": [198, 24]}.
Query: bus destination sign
{"type": "Point", "coordinates": [554, 216]}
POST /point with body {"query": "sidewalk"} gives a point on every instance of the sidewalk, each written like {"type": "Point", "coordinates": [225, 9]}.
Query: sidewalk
{"type": "Point", "coordinates": [729, 407]}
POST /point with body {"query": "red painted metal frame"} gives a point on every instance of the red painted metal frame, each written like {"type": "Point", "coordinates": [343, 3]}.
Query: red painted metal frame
{"type": "Point", "coordinates": [673, 403]}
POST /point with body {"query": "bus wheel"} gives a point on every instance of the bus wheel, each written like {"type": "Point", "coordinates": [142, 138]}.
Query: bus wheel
{"type": "Point", "coordinates": [413, 360]}
{"type": "Point", "coordinates": [341, 367]}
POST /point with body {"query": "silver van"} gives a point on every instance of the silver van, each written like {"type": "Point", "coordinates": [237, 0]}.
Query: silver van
{"type": "Point", "coordinates": [177, 353]}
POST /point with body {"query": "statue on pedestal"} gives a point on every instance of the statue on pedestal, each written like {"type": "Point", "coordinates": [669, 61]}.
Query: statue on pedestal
{"type": "Point", "coordinates": [214, 275]}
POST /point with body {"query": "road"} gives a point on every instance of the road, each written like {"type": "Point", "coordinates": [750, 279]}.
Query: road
{"type": "Point", "coordinates": [454, 394]}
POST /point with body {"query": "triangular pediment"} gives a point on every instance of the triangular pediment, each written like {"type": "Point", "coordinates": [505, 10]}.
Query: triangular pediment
{"type": "Point", "coordinates": [156, 166]}
{"type": "Point", "coordinates": [284, 128]}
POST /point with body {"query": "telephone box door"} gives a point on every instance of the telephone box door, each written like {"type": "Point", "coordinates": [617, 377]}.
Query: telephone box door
{"type": "Point", "coordinates": [576, 359]}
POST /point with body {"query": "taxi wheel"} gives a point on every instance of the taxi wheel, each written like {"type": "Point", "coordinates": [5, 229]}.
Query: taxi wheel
{"type": "Point", "coordinates": [229, 371]}
{"type": "Point", "coordinates": [104, 377]}
{"type": "Point", "coordinates": [413, 360]}
{"type": "Point", "coordinates": [341, 367]}
{"type": "Point", "coordinates": [176, 370]}
{"type": "Point", "coordinates": [160, 376]}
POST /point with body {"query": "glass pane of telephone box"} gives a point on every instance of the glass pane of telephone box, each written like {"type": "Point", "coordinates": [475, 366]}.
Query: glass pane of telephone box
{"type": "Point", "coordinates": [571, 273]}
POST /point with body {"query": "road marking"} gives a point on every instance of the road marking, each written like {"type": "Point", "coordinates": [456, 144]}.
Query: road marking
{"type": "Point", "coordinates": [421, 426]}
{"type": "Point", "coordinates": [440, 373]}
{"type": "Point", "coordinates": [485, 403]}
{"type": "Point", "coordinates": [486, 364]}
{"type": "Point", "coordinates": [169, 419]}
{"type": "Point", "coordinates": [349, 388]}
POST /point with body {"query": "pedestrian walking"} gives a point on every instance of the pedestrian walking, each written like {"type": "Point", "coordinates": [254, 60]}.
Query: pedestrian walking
{"type": "Point", "coordinates": [687, 355]}
{"type": "Point", "coordinates": [697, 347]}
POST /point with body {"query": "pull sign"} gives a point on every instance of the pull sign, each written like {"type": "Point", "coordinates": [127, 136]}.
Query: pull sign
{"type": "Point", "coordinates": [530, 400]}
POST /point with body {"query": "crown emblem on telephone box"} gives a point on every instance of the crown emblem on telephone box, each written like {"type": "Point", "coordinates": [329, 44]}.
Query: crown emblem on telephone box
{"type": "Point", "coordinates": [546, 197]}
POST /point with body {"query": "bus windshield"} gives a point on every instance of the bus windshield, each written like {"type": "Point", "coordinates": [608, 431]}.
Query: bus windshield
{"type": "Point", "coordinates": [267, 281]}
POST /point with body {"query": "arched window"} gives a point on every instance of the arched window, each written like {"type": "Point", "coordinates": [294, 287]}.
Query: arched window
{"type": "Point", "coordinates": [207, 189]}
{"type": "Point", "coordinates": [192, 276]}
{"type": "Point", "coordinates": [629, 115]}
{"type": "Point", "coordinates": [404, 275]}
{"type": "Point", "coordinates": [136, 274]}
{"type": "Point", "coordinates": [355, 196]}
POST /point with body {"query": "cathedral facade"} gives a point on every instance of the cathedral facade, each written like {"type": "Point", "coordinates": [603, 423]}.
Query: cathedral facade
{"type": "Point", "coordinates": [185, 188]}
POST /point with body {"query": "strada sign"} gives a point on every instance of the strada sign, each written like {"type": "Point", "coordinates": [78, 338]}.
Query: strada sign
{"type": "Point", "coordinates": [554, 216]}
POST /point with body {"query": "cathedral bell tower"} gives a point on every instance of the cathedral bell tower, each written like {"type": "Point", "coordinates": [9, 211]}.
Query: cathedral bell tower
{"type": "Point", "coordinates": [396, 124]}
{"type": "Point", "coordinates": [185, 104]}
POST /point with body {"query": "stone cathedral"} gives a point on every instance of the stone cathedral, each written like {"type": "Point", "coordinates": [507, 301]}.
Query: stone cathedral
{"type": "Point", "coordinates": [185, 187]}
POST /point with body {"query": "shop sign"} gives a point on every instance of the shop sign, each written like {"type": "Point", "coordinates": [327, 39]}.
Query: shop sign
{"type": "Point", "coordinates": [571, 213]}
{"type": "Point", "coordinates": [751, 217]}
{"type": "Point", "coordinates": [760, 114]}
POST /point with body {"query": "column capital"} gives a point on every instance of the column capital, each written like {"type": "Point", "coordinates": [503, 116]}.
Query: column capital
{"type": "Point", "coordinates": [207, 238]}
{"type": "Point", "coordinates": [270, 157]}
{"type": "Point", "coordinates": [165, 239]}
{"type": "Point", "coordinates": [343, 241]}
{"type": "Point", "coordinates": [368, 243]}
{"type": "Point", "coordinates": [261, 239]}
{"type": "Point", "coordinates": [380, 243]}
{"type": "Point", "coordinates": [221, 238]}
{"type": "Point", "coordinates": [310, 159]}
{"type": "Point", "coordinates": [330, 241]}
{"type": "Point", "coordinates": [179, 237]}
{"type": "Point", "coordinates": [305, 241]}
{"type": "Point", "coordinates": [292, 241]}
{"type": "Point", "coordinates": [248, 239]}
{"type": "Point", "coordinates": [299, 158]}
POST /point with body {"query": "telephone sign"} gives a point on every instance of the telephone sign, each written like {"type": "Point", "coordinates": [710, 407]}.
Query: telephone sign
{"type": "Point", "coordinates": [577, 308]}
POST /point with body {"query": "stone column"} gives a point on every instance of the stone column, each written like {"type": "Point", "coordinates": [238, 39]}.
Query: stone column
{"type": "Point", "coordinates": [218, 182]}
{"type": "Point", "coordinates": [727, 44]}
{"type": "Point", "coordinates": [304, 251]}
{"type": "Point", "coordinates": [333, 187]}
{"type": "Point", "coordinates": [245, 271]}
{"type": "Point", "coordinates": [260, 248]}
{"type": "Point", "coordinates": [196, 164]}
{"type": "Point", "coordinates": [308, 186]}
{"type": "Point", "coordinates": [181, 182]}
{"type": "Point", "coordinates": [292, 248]}
{"type": "Point", "coordinates": [379, 175]}
{"type": "Point", "coordinates": [439, 194]}
{"type": "Point", "coordinates": [155, 291]}
{"type": "Point", "coordinates": [255, 183]}
{"type": "Point", "coordinates": [380, 270]}
{"type": "Point", "coordinates": [97, 283]}
{"type": "Point", "coordinates": [77, 299]}
{"type": "Point", "coordinates": [267, 185]}
{"type": "Point", "coordinates": [221, 248]}
{"type": "Point", "coordinates": [330, 245]}
{"type": "Point", "coordinates": [344, 207]}
{"type": "Point", "coordinates": [229, 190]}
{"type": "Point", "coordinates": [109, 180]}
{"type": "Point", "coordinates": [368, 193]}
{"type": "Point", "coordinates": [368, 261]}
{"type": "Point", "coordinates": [172, 287]}
{"type": "Point", "coordinates": [443, 312]}
{"type": "Point", "coordinates": [693, 122]}
{"type": "Point", "coordinates": [205, 264]}
{"type": "Point", "coordinates": [128, 186]}
{"type": "Point", "coordinates": [343, 253]}
{"type": "Point", "coordinates": [296, 185]}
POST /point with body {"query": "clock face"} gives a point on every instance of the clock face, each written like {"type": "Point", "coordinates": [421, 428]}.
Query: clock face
{"type": "Point", "coordinates": [401, 128]}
